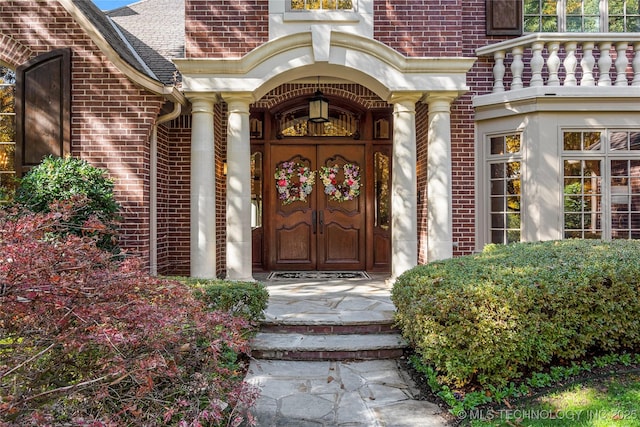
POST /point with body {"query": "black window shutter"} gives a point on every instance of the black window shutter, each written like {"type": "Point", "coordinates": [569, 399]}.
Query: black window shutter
{"type": "Point", "coordinates": [504, 17]}
{"type": "Point", "coordinates": [43, 108]}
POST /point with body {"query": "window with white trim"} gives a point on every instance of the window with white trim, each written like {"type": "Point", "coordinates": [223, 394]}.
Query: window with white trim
{"type": "Point", "coordinates": [587, 16]}
{"type": "Point", "coordinates": [7, 131]}
{"type": "Point", "coordinates": [504, 167]}
{"type": "Point", "coordinates": [601, 184]}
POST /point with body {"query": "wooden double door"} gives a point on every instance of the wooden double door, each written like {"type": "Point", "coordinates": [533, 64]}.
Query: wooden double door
{"type": "Point", "coordinates": [321, 232]}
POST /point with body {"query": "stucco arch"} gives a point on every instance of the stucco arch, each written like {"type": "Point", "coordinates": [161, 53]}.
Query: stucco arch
{"type": "Point", "coordinates": [334, 55]}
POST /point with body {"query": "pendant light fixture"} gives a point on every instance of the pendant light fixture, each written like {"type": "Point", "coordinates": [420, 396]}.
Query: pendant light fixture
{"type": "Point", "coordinates": [318, 107]}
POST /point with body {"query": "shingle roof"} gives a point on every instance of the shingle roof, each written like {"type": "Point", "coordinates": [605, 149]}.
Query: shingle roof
{"type": "Point", "coordinates": [155, 29]}
{"type": "Point", "coordinates": [104, 26]}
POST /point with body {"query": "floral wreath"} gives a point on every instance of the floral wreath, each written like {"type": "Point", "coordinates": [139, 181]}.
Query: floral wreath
{"type": "Point", "coordinates": [349, 189]}
{"type": "Point", "coordinates": [291, 191]}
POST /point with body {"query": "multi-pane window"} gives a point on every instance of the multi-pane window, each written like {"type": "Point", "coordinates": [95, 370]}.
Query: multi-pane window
{"type": "Point", "coordinates": [582, 199]}
{"type": "Point", "coordinates": [601, 184]}
{"type": "Point", "coordinates": [7, 131]}
{"type": "Point", "coordinates": [322, 4]}
{"type": "Point", "coordinates": [540, 15]}
{"type": "Point", "coordinates": [504, 186]}
{"type": "Point", "coordinates": [581, 16]}
{"type": "Point", "coordinates": [624, 16]}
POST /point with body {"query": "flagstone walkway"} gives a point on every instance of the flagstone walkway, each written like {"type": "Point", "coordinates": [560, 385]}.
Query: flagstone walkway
{"type": "Point", "coordinates": [326, 393]}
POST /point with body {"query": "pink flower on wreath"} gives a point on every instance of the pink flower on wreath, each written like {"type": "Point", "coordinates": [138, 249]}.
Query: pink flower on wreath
{"type": "Point", "coordinates": [290, 191]}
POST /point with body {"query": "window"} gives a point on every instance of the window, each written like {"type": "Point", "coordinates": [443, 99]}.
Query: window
{"type": "Point", "coordinates": [504, 185]}
{"type": "Point", "coordinates": [322, 5]}
{"type": "Point", "coordinates": [601, 184]}
{"type": "Point", "coordinates": [581, 16]}
{"type": "Point", "coordinates": [7, 131]}
{"type": "Point", "coordinates": [295, 123]}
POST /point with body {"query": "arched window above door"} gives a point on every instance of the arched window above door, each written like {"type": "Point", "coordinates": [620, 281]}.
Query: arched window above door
{"type": "Point", "coordinates": [295, 123]}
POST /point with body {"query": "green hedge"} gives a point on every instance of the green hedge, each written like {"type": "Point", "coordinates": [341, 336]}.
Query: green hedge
{"type": "Point", "coordinates": [245, 299]}
{"type": "Point", "coordinates": [74, 180]}
{"type": "Point", "coordinates": [490, 318]}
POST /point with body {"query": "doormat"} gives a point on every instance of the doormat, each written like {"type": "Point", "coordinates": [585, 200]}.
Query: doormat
{"type": "Point", "coordinates": [324, 275]}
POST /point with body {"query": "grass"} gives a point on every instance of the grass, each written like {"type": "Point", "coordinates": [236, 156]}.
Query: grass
{"type": "Point", "coordinates": [611, 400]}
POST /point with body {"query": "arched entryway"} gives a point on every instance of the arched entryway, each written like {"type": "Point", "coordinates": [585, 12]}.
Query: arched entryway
{"type": "Point", "coordinates": [240, 82]}
{"type": "Point", "coordinates": [321, 193]}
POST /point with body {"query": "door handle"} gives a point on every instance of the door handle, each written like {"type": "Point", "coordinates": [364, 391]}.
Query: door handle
{"type": "Point", "coordinates": [321, 222]}
{"type": "Point", "coordinates": [314, 221]}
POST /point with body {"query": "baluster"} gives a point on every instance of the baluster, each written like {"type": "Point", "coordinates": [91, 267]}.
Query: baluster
{"type": "Point", "coordinates": [517, 66]}
{"type": "Point", "coordinates": [587, 63]}
{"type": "Point", "coordinates": [498, 71]}
{"type": "Point", "coordinates": [636, 65]}
{"type": "Point", "coordinates": [553, 64]}
{"type": "Point", "coordinates": [537, 62]}
{"type": "Point", "coordinates": [604, 64]}
{"type": "Point", "coordinates": [621, 64]}
{"type": "Point", "coordinates": [570, 63]}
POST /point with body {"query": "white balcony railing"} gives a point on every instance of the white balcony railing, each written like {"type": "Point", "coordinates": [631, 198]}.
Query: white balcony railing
{"type": "Point", "coordinates": [565, 59]}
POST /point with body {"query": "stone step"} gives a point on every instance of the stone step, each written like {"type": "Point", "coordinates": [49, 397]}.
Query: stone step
{"type": "Point", "coordinates": [328, 329]}
{"type": "Point", "coordinates": [296, 346]}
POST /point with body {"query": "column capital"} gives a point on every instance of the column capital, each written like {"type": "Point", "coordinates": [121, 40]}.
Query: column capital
{"type": "Point", "coordinates": [405, 99]}
{"type": "Point", "coordinates": [440, 101]}
{"type": "Point", "coordinates": [238, 102]}
{"type": "Point", "coordinates": [194, 97]}
{"type": "Point", "coordinates": [202, 105]}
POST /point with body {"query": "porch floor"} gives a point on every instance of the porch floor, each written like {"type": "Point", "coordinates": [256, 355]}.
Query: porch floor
{"type": "Point", "coordinates": [341, 391]}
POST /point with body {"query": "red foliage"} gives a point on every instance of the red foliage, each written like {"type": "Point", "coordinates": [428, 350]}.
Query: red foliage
{"type": "Point", "coordinates": [91, 339]}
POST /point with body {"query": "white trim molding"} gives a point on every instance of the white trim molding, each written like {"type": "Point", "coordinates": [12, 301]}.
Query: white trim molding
{"type": "Point", "coordinates": [344, 56]}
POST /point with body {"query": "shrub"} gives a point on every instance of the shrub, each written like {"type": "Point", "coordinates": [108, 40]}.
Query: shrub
{"type": "Point", "coordinates": [63, 179]}
{"type": "Point", "coordinates": [87, 340]}
{"type": "Point", "coordinates": [492, 317]}
{"type": "Point", "coordinates": [246, 299]}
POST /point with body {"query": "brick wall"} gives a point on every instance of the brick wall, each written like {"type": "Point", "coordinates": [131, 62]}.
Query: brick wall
{"type": "Point", "coordinates": [225, 29]}
{"type": "Point", "coordinates": [422, 127]}
{"type": "Point", "coordinates": [163, 198]}
{"type": "Point", "coordinates": [220, 137]}
{"type": "Point", "coordinates": [174, 198]}
{"type": "Point", "coordinates": [420, 27]}
{"type": "Point", "coordinates": [111, 120]}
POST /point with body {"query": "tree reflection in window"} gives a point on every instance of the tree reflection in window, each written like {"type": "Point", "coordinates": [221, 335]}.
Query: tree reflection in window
{"type": "Point", "coordinates": [381, 182]}
{"type": "Point", "coordinates": [7, 132]}
{"type": "Point", "coordinates": [505, 194]}
{"type": "Point", "coordinates": [256, 190]}
{"type": "Point", "coordinates": [341, 123]}
{"type": "Point", "coordinates": [322, 4]}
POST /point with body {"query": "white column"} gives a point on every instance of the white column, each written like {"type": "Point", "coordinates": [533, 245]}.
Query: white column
{"type": "Point", "coordinates": [203, 194]}
{"type": "Point", "coordinates": [238, 189]}
{"type": "Point", "coordinates": [404, 202]}
{"type": "Point", "coordinates": [439, 191]}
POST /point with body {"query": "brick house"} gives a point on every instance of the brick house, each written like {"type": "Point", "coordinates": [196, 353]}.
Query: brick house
{"type": "Point", "coordinates": [448, 124]}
